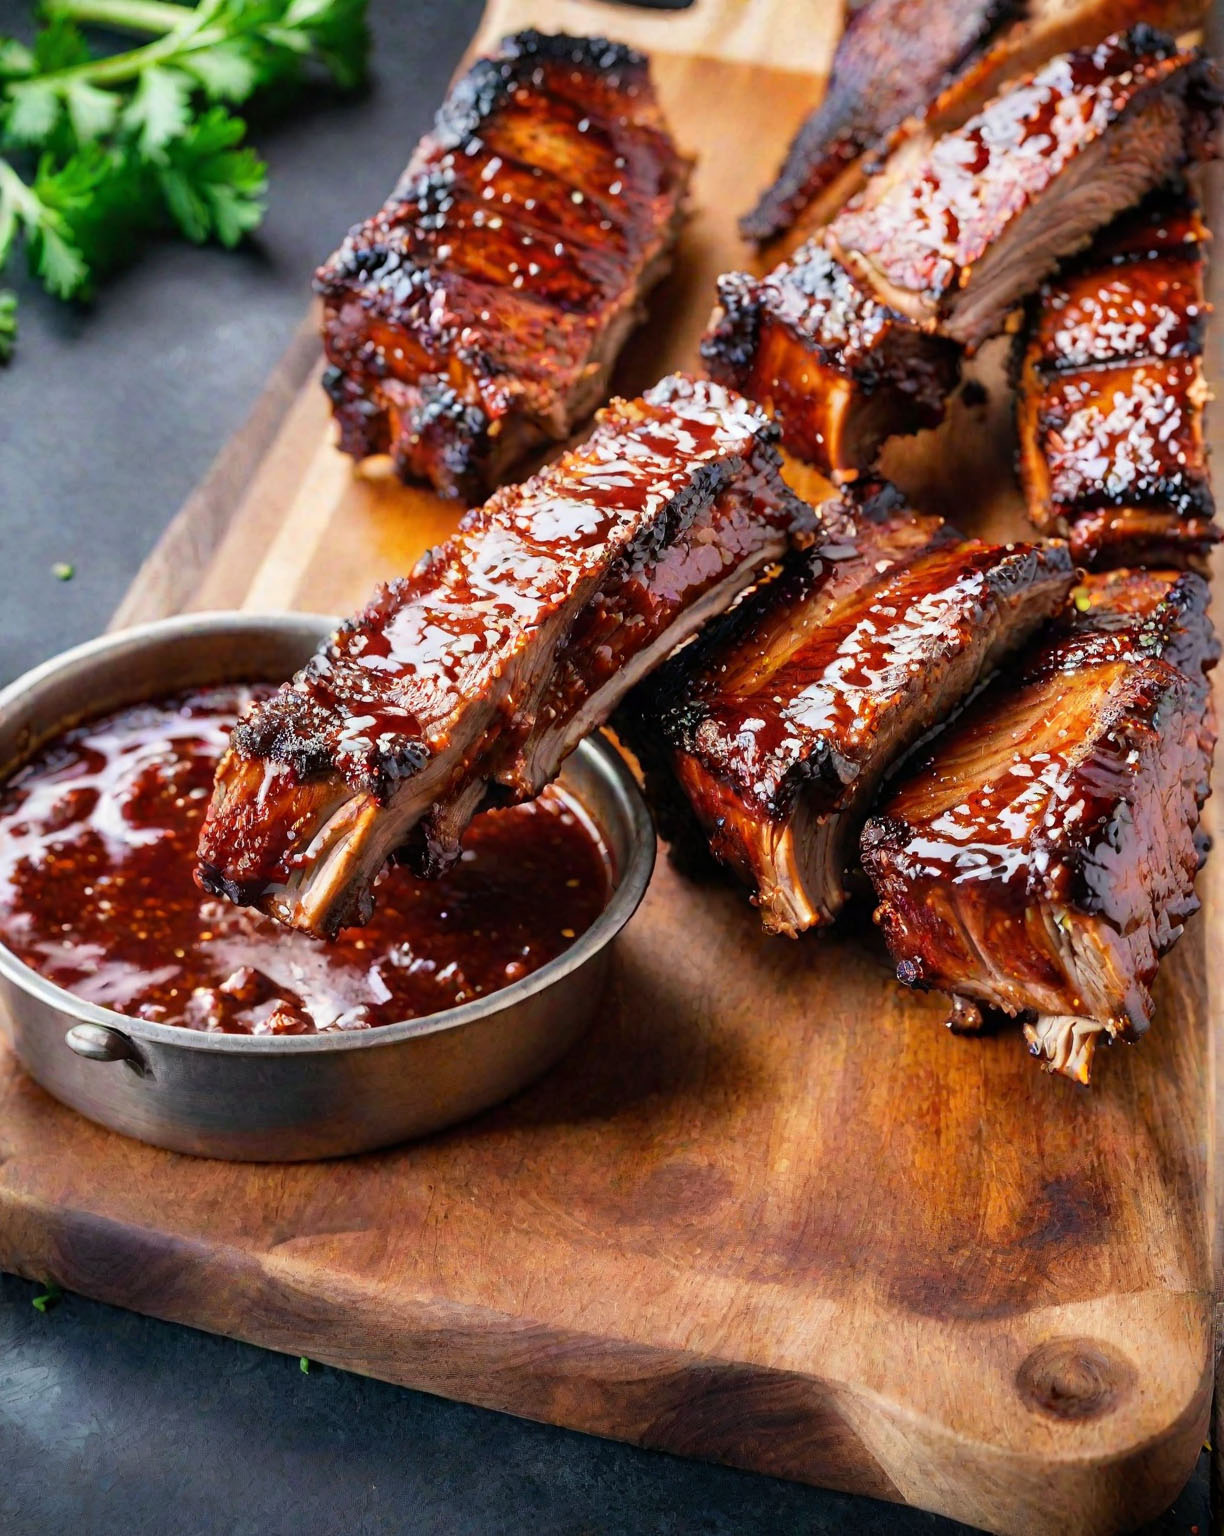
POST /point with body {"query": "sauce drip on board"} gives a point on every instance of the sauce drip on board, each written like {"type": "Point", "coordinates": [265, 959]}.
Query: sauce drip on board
{"type": "Point", "coordinates": [97, 845]}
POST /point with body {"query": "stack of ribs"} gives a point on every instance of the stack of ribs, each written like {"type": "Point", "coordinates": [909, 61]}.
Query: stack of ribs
{"type": "Point", "coordinates": [467, 682]}
{"type": "Point", "coordinates": [858, 336]}
{"type": "Point", "coordinates": [1043, 858]}
{"type": "Point", "coordinates": [780, 720]}
{"type": "Point", "coordinates": [1110, 410]}
{"type": "Point", "coordinates": [910, 67]}
{"type": "Point", "coordinates": [479, 312]}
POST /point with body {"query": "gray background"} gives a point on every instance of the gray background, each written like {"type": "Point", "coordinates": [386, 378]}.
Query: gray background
{"type": "Point", "coordinates": [112, 1423]}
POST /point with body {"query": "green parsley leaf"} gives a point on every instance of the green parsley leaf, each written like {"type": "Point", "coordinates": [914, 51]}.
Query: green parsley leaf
{"type": "Point", "coordinates": [160, 109]}
{"type": "Point", "coordinates": [108, 149]}
{"type": "Point", "coordinates": [62, 570]}
{"type": "Point", "coordinates": [212, 188]}
{"type": "Point", "coordinates": [304, 1365]}
{"type": "Point", "coordinates": [91, 110]}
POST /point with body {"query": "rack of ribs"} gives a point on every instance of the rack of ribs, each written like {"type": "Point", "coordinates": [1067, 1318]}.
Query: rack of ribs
{"type": "Point", "coordinates": [1042, 858]}
{"type": "Point", "coordinates": [780, 720]}
{"type": "Point", "coordinates": [857, 337]}
{"type": "Point", "coordinates": [1111, 396]}
{"type": "Point", "coordinates": [916, 67]}
{"type": "Point", "coordinates": [468, 681]}
{"type": "Point", "coordinates": [478, 314]}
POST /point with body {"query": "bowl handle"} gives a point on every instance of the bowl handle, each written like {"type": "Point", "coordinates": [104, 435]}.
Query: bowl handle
{"type": "Point", "coordinates": [99, 1042]}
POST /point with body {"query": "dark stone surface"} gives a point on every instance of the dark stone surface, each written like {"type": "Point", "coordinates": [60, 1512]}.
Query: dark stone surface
{"type": "Point", "coordinates": [112, 1423]}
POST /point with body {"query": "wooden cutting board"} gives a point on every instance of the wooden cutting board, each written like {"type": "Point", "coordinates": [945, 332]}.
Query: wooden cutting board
{"type": "Point", "coordinates": [769, 1212]}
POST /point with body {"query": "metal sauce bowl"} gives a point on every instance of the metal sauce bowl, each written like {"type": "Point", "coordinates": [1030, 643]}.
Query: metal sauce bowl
{"type": "Point", "coordinates": [284, 1098]}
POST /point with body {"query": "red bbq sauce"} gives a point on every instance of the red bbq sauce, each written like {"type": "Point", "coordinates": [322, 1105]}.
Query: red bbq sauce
{"type": "Point", "coordinates": [97, 845]}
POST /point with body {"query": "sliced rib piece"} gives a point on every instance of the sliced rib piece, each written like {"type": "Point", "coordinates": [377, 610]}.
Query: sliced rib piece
{"type": "Point", "coordinates": [1042, 858]}
{"type": "Point", "coordinates": [479, 312]}
{"type": "Point", "coordinates": [893, 59]}
{"type": "Point", "coordinates": [957, 239]}
{"type": "Point", "coordinates": [1110, 405]}
{"type": "Point", "coordinates": [909, 70]}
{"type": "Point", "coordinates": [855, 337]}
{"type": "Point", "coordinates": [397, 728]}
{"type": "Point", "coordinates": [779, 721]}
{"type": "Point", "coordinates": [841, 371]}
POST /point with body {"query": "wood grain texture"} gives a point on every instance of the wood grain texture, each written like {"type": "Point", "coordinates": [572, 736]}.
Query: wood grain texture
{"type": "Point", "coordinates": [769, 1212]}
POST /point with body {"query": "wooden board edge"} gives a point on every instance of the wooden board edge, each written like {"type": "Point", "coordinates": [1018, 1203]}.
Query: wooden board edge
{"type": "Point", "coordinates": [801, 1426]}
{"type": "Point", "coordinates": [170, 573]}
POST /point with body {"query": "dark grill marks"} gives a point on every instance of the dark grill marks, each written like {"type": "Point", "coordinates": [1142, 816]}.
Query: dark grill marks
{"type": "Point", "coordinates": [1042, 858]}
{"type": "Point", "coordinates": [1111, 397]}
{"type": "Point", "coordinates": [473, 677]}
{"type": "Point", "coordinates": [779, 722]}
{"type": "Point", "coordinates": [479, 312]}
{"type": "Point", "coordinates": [857, 337]}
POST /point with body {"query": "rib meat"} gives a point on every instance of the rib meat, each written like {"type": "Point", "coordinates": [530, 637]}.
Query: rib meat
{"type": "Point", "coordinates": [1110, 409]}
{"type": "Point", "coordinates": [1043, 857]}
{"type": "Point", "coordinates": [856, 337]}
{"type": "Point", "coordinates": [473, 677]}
{"type": "Point", "coordinates": [912, 69]}
{"type": "Point", "coordinates": [893, 59]}
{"type": "Point", "coordinates": [779, 721]}
{"type": "Point", "coordinates": [479, 312]}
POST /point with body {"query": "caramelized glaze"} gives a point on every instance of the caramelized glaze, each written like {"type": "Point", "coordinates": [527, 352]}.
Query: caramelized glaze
{"type": "Point", "coordinates": [480, 309]}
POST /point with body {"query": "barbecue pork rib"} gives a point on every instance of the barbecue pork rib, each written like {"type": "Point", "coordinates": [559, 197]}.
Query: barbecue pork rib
{"type": "Point", "coordinates": [909, 69]}
{"type": "Point", "coordinates": [469, 680]}
{"type": "Point", "coordinates": [1111, 396]}
{"type": "Point", "coordinates": [857, 336]}
{"type": "Point", "coordinates": [479, 312]}
{"type": "Point", "coordinates": [779, 721]}
{"type": "Point", "coordinates": [1042, 858]}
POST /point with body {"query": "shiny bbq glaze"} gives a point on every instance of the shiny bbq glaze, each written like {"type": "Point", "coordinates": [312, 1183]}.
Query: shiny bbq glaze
{"type": "Point", "coordinates": [891, 62]}
{"type": "Point", "coordinates": [906, 70]}
{"type": "Point", "coordinates": [1111, 398]}
{"type": "Point", "coordinates": [97, 838]}
{"type": "Point", "coordinates": [936, 239]}
{"type": "Point", "coordinates": [840, 370]}
{"type": "Point", "coordinates": [479, 311]}
{"type": "Point", "coordinates": [858, 336]}
{"type": "Point", "coordinates": [779, 722]}
{"type": "Point", "coordinates": [401, 723]}
{"type": "Point", "coordinates": [1042, 857]}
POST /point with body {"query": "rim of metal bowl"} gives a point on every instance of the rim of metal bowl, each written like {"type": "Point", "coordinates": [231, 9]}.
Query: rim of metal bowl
{"type": "Point", "coordinates": [624, 901]}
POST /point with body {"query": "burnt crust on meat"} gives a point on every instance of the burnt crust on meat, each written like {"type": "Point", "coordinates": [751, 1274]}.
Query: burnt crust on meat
{"type": "Point", "coordinates": [467, 682]}
{"type": "Point", "coordinates": [779, 721]}
{"type": "Point", "coordinates": [891, 61]}
{"type": "Point", "coordinates": [839, 369]}
{"type": "Point", "coordinates": [907, 70]}
{"type": "Point", "coordinates": [858, 336]}
{"type": "Point", "coordinates": [477, 315]}
{"type": "Point", "coordinates": [1041, 858]}
{"type": "Point", "coordinates": [1111, 394]}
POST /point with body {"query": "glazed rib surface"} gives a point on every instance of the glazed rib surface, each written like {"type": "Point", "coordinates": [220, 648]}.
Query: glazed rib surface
{"type": "Point", "coordinates": [449, 687]}
{"type": "Point", "coordinates": [892, 61]}
{"type": "Point", "coordinates": [1043, 856]}
{"type": "Point", "coordinates": [779, 722]}
{"type": "Point", "coordinates": [857, 337]}
{"type": "Point", "coordinates": [908, 70]}
{"type": "Point", "coordinates": [1112, 392]}
{"type": "Point", "coordinates": [479, 312]}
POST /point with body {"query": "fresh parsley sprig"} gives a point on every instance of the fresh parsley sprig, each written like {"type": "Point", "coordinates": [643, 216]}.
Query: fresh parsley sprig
{"type": "Point", "coordinates": [99, 151]}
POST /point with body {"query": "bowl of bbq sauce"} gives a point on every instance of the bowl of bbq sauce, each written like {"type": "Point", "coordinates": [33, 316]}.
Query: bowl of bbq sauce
{"type": "Point", "coordinates": [180, 1019]}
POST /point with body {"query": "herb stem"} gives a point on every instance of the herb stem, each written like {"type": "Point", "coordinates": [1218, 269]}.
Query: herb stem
{"type": "Point", "coordinates": [124, 15]}
{"type": "Point", "coordinates": [118, 68]}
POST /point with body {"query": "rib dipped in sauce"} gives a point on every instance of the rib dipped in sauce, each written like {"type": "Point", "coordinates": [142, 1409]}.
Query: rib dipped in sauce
{"type": "Point", "coordinates": [97, 844]}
